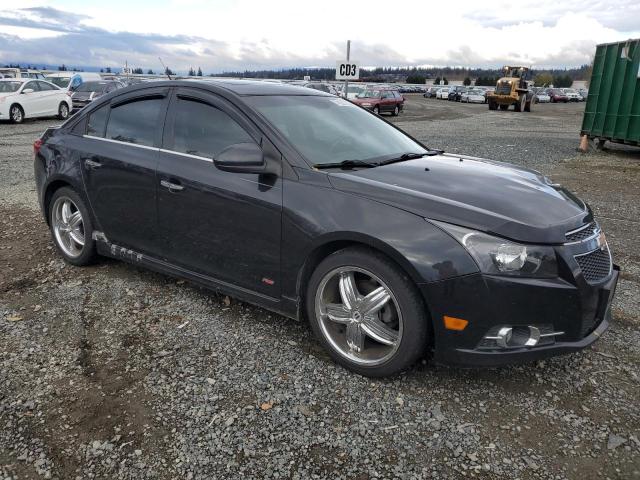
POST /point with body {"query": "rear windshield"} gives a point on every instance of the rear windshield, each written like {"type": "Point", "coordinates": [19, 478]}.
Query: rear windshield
{"type": "Point", "coordinates": [61, 82]}
{"type": "Point", "coordinates": [91, 87]}
{"type": "Point", "coordinates": [8, 87]}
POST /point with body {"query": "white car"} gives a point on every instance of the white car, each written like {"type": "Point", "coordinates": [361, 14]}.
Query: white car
{"type": "Point", "coordinates": [473, 96]}
{"type": "Point", "coordinates": [572, 95]}
{"type": "Point", "coordinates": [543, 97]}
{"type": "Point", "coordinates": [71, 80]}
{"type": "Point", "coordinates": [25, 98]}
{"type": "Point", "coordinates": [354, 90]}
{"type": "Point", "coordinates": [443, 94]}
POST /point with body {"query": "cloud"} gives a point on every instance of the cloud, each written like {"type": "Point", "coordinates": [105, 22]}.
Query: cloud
{"type": "Point", "coordinates": [540, 33]}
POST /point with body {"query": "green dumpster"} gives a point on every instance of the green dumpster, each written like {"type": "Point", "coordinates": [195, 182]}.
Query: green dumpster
{"type": "Point", "coordinates": [612, 111]}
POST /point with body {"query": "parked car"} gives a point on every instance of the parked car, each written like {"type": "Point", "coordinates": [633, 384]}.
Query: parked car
{"type": "Point", "coordinates": [309, 206]}
{"type": "Point", "coordinates": [557, 95]}
{"type": "Point", "coordinates": [323, 87]}
{"type": "Point", "coordinates": [443, 93]}
{"type": "Point", "coordinates": [541, 95]}
{"type": "Point", "coordinates": [584, 93]}
{"type": "Point", "coordinates": [473, 96]}
{"type": "Point", "coordinates": [431, 91]}
{"type": "Point", "coordinates": [24, 98]}
{"type": "Point", "coordinates": [572, 95]}
{"type": "Point", "coordinates": [86, 92]}
{"type": "Point", "coordinates": [353, 90]}
{"type": "Point", "coordinates": [455, 92]}
{"type": "Point", "coordinates": [71, 80]}
{"type": "Point", "coordinates": [24, 73]}
{"type": "Point", "coordinates": [381, 101]}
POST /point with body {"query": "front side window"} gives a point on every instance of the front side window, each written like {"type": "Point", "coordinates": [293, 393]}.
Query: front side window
{"type": "Point", "coordinates": [135, 122]}
{"type": "Point", "coordinates": [44, 86]}
{"type": "Point", "coordinates": [327, 130]}
{"type": "Point", "coordinates": [203, 130]}
{"type": "Point", "coordinates": [32, 85]}
{"type": "Point", "coordinates": [97, 122]}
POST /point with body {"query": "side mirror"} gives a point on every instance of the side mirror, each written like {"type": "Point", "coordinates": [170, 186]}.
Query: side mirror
{"type": "Point", "coordinates": [27, 90]}
{"type": "Point", "coordinates": [241, 158]}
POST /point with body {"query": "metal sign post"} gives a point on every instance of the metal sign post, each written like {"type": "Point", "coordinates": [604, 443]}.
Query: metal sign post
{"type": "Point", "coordinates": [346, 82]}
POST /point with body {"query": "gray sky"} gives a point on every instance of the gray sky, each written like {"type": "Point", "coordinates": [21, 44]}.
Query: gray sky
{"type": "Point", "coordinates": [222, 35]}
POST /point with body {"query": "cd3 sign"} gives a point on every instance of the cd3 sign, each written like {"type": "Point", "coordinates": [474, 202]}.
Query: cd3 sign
{"type": "Point", "coordinates": [347, 70]}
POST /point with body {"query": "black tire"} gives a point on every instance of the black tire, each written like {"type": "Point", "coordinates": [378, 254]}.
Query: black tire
{"type": "Point", "coordinates": [504, 107]}
{"type": "Point", "coordinates": [520, 104]}
{"type": "Point", "coordinates": [63, 111]}
{"type": "Point", "coordinates": [376, 110]}
{"type": "Point", "coordinates": [493, 105]}
{"type": "Point", "coordinates": [88, 252]}
{"type": "Point", "coordinates": [416, 322]}
{"type": "Point", "coordinates": [528, 106]}
{"type": "Point", "coordinates": [396, 111]}
{"type": "Point", "coordinates": [16, 114]}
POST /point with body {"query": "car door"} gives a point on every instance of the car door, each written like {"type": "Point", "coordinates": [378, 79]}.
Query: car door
{"type": "Point", "coordinates": [388, 103]}
{"type": "Point", "coordinates": [119, 160]}
{"type": "Point", "coordinates": [50, 97]}
{"type": "Point", "coordinates": [31, 101]}
{"type": "Point", "coordinates": [220, 224]}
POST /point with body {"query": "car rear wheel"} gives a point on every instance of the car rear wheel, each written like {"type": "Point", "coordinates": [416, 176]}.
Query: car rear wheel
{"type": "Point", "coordinates": [63, 111]}
{"type": "Point", "coordinates": [367, 313]}
{"type": "Point", "coordinates": [16, 114]}
{"type": "Point", "coordinates": [396, 111]}
{"type": "Point", "coordinates": [376, 110]}
{"type": "Point", "coordinates": [71, 227]}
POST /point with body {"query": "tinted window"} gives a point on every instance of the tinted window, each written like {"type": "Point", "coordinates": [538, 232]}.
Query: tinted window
{"type": "Point", "coordinates": [203, 130]}
{"type": "Point", "coordinates": [44, 86]}
{"type": "Point", "coordinates": [97, 122]}
{"type": "Point", "coordinates": [135, 122]}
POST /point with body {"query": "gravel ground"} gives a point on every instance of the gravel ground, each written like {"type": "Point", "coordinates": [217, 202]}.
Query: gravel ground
{"type": "Point", "coordinates": [113, 372]}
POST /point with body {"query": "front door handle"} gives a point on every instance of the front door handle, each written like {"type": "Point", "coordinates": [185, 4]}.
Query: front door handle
{"type": "Point", "coordinates": [92, 164]}
{"type": "Point", "coordinates": [173, 187]}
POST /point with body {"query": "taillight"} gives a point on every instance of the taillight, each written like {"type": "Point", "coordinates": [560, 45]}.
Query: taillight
{"type": "Point", "coordinates": [36, 146]}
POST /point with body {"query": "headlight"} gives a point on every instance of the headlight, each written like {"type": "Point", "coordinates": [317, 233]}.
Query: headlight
{"type": "Point", "coordinates": [498, 256]}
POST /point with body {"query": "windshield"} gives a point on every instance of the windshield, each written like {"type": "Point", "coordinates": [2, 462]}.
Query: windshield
{"type": "Point", "coordinates": [370, 94]}
{"type": "Point", "coordinates": [328, 130]}
{"type": "Point", "coordinates": [9, 87]}
{"type": "Point", "coordinates": [91, 87]}
{"type": "Point", "coordinates": [355, 88]}
{"type": "Point", "coordinates": [61, 82]}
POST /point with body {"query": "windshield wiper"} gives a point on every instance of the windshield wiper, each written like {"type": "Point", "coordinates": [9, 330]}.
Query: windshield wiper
{"type": "Point", "coordinates": [410, 156]}
{"type": "Point", "coordinates": [346, 164]}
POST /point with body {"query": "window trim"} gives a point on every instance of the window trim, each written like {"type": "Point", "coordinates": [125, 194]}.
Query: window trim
{"type": "Point", "coordinates": [208, 98]}
{"type": "Point", "coordinates": [111, 140]}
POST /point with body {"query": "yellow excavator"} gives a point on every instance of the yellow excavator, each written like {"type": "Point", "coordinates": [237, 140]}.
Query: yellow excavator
{"type": "Point", "coordinates": [512, 89]}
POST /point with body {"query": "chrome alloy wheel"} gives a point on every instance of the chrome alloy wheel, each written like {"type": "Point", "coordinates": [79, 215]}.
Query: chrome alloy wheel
{"type": "Point", "coordinates": [16, 114]}
{"type": "Point", "coordinates": [68, 226]}
{"type": "Point", "coordinates": [359, 315]}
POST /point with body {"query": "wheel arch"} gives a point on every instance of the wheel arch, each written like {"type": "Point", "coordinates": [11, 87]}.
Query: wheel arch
{"type": "Point", "coordinates": [56, 184]}
{"type": "Point", "coordinates": [332, 243]}
{"type": "Point", "coordinates": [17, 104]}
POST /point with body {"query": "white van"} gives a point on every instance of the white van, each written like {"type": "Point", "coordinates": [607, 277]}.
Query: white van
{"type": "Point", "coordinates": [71, 80]}
{"type": "Point", "coordinates": [20, 73]}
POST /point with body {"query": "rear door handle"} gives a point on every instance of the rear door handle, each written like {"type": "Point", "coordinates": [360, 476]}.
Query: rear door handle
{"type": "Point", "coordinates": [173, 187]}
{"type": "Point", "coordinates": [92, 164]}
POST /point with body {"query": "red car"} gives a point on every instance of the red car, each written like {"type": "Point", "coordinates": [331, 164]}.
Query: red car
{"type": "Point", "coordinates": [380, 100]}
{"type": "Point", "coordinates": [557, 95]}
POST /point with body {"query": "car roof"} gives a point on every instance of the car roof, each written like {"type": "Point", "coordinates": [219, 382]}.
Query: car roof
{"type": "Point", "coordinates": [239, 87]}
{"type": "Point", "coordinates": [17, 79]}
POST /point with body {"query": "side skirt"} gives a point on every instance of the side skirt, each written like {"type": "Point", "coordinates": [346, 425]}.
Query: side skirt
{"type": "Point", "coordinates": [286, 307]}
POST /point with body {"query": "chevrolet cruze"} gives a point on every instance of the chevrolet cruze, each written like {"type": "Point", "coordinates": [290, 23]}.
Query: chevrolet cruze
{"type": "Point", "coordinates": [313, 207]}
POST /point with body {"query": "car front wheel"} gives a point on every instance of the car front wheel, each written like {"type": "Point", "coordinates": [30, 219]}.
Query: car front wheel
{"type": "Point", "coordinates": [71, 227]}
{"type": "Point", "coordinates": [16, 114]}
{"type": "Point", "coordinates": [367, 313]}
{"type": "Point", "coordinates": [63, 111]}
{"type": "Point", "coordinates": [396, 111]}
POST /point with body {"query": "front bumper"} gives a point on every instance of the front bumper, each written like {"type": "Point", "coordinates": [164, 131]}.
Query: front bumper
{"type": "Point", "coordinates": [579, 310]}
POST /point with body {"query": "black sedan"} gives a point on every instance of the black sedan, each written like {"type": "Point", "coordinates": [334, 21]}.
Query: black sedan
{"type": "Point", "coordinates": [313, 207]}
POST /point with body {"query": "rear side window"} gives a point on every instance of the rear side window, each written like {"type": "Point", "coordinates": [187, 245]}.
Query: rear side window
{"type": "Point", "coordinates": [203, 130]}
{"type": "Point", "coordinates": [135, 122]}
{"type": "Point", "coordinates": [97, 122]}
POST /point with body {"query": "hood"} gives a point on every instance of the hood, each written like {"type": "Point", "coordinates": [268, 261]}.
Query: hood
{"type": "Point", "coordinates": [493, 197]}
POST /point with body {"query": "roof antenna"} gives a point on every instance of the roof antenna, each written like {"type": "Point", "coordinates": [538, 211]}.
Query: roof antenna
{"type": "Point", "coordinates": [166, 70]}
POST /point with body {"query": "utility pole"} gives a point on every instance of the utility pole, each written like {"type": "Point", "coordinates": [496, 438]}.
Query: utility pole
{"type": "Point", "coordinates": [346, 82]}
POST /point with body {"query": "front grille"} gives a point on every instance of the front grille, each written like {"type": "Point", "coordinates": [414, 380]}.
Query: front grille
{"type": "Point", "coordinates": [583, 233]}
{"type": "Point", "coordinates": [503, 88]}
{"type": "Point", "coordinates": [595, 265]}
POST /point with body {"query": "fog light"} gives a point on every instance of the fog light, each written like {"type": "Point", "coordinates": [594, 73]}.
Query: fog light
{"type": "Point", "coordinates": [505, 336]}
